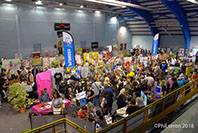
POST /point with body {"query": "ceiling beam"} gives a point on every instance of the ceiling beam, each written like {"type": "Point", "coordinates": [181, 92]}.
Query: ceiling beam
{"type": "Point", "coordinates": [177, 10]}
{"type": "Point", "coordinates": [145, 15]}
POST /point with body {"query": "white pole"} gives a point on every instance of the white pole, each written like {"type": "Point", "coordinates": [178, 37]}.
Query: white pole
{"type": "Point", "coordinates": [18, 33]}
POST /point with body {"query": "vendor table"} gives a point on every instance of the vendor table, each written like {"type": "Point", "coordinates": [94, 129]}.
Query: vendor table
{"type": "Point", "coordinates": [122, 112]}
{"type": "Point", "coordinates": [41, 110]}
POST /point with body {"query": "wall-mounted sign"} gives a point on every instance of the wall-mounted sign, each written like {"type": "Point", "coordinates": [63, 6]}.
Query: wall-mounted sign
{"type": "Point", "coordinates": [62, 26]}
{"type": "Point", "coordinates": [94, 45]}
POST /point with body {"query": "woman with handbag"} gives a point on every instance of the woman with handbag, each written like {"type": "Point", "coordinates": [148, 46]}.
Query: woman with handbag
{"type": "Point", "coordinates": [57, 103]}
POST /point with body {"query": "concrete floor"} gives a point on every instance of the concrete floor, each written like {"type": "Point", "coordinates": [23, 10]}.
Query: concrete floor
{"type": "Point", "coordinates": [12, 121]}
{"type": "Point", "coordinates": [186, 123]}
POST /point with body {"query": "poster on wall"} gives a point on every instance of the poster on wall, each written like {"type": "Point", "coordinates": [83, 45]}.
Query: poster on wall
{"type": "Point", "coordinates": [78, 59]}
{"type": "Point", "coordinates": [93, 56]}
{"type": "Point", "coordinates": [68, 44]}
{"type": "Point", "coordinates": [84, 72]}
{"type": "Point", "coordinates": [46, 62]}
{"type": "Point", "coordinates": [99, 69]}
{"type": "Point", "coordinates": [79, 50]}
{"type": "Point", "coordinates": [46, 53]}
{"type": "Point", "coordinates": [155, 44]}
{"type": "Point", "coordinates": [36, 62]}
{"type": "Point", "coordinates": [18, 56]}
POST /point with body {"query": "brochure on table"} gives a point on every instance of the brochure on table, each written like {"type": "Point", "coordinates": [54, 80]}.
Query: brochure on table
{"type": "Point", "coordinates": [81, 95]}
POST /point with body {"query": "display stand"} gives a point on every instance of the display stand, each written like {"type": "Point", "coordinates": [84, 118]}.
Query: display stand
{"type": "Point", "coordinates": [43, 80]}
{"type": "Point", "coordinates": [53, 71]}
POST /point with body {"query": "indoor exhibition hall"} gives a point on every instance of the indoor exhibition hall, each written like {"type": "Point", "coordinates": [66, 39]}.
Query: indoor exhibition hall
{"type": "Point", "coordinates": [98, 66]}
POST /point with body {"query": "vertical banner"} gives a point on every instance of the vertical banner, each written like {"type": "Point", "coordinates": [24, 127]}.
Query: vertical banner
{"type": "Point", "coordinates": [68, 43]}
{"type": "Point", "coordinates": [155, 44]}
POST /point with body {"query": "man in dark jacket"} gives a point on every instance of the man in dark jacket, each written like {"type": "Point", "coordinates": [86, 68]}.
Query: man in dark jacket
{"type": "Point", "coordinates": [35, 71]}
{"type": "Point", "coordinates": [122, 100]}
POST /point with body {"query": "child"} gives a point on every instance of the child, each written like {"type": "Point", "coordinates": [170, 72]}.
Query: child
{"type": "Point", "coordinates": [73, 103]}
{"type": "Point", "coordinates": [47, 94]}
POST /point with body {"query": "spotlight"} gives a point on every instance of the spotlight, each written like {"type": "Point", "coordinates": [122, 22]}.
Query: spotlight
{"type": "Point", "coordinates": [38, 2]}
{"type": "Point", "coordinates": [81, 6]}
{"type": "Point", "coordinates": [60, 4]}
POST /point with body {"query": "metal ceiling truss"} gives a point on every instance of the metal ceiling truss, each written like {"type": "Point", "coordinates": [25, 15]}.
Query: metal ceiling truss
{"type": "Point", "coordinates": [177, 10]}
{"type": "Point", "coordinates": [144, 14]}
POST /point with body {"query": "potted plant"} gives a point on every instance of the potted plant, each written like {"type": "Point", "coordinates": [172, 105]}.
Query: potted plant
{"type": "Point", "coordinates": [115, 47]}
{"type": "Point", "coordinates": [127, 55]}
{"type": "Point", "coordinates": [172, 55]}
{"type": "Point", "coordinates": [18, 97]}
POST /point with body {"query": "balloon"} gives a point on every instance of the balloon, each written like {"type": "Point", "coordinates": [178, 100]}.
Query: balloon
{"type": "Point", "coordinates": [10, 62]}
{"type": "Point", "coordinates": [2, 66]}
{"type": "Point", "coordinates": [11, 65]}
{"type": "Point", "coordinates": [19, 62]}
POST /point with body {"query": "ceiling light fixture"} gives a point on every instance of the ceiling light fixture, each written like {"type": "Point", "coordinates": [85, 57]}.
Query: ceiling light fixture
{"type": "Point", "coordinates": [98, 12]}
{"type": "Point", "coordinates": [119, 3]}
{"type": "Point", "coordinates": [38, 2]}
{"type": "Point", "coordinates": [81, 6]}
{"type": "Point", "coordinates": [106, 3]}
{"type": "Point", "coordinates": [193, 1]}
{"type": "Point", "coordinates": [8, 0]}
{"type": "Point", "coordinates": [60, 4]}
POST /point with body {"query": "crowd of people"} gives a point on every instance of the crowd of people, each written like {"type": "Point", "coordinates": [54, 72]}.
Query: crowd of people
{"type": "Point", "coordinates": [118, 83]}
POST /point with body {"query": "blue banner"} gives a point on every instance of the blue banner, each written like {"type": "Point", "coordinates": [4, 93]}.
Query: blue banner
{"type": "Point", "coordinates": [155, 44]}
{"type": "Point", "coordinates": [68, 44]}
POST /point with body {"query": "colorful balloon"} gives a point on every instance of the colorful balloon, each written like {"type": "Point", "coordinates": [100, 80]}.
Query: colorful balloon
{"type": "Point", "coordinates": [10, 62]}
{"type": "Point", "coordinates": [2, 66]}
{"type": "Point", "coordinates": [19, 62]}
{"type": "Point", "coordinates": [11, 65]}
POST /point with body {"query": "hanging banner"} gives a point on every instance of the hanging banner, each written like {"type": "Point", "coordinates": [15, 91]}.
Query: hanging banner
{"type": "Point", "coordinates": [155, 44]}
{"type": "Point", "coordinates": [68, 43]}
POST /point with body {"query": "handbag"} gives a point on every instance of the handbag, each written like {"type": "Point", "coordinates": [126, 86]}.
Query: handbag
{"type": "Point", "coordinates": [56, 111]}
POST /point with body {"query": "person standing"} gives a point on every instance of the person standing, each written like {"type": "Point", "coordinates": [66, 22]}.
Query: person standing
{"type": "Point", "coordinates": [89, 94]}
{"type": "Point", "coordinates": [196, 58]}
{"type": "Point", "coordinates": [110, 96]}
{"type": "Point", "coordinates": [35, 71]}
{"type": "Point", "coordinates": [30, 77]}
{"type": "Point", "coordinates": [103, 104]}
{"type": "Point", "coordinates": [2, 81]}
{"type": "Point", "coordinates": [96, 86]}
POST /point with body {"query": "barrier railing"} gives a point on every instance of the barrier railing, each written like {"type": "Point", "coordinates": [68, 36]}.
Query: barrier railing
{"type": "Point", "coordinates": [142, 119]}
{"type": "Point", "coordinates": [52, 125]}
{"type": "Point", "coordinates": [46, 117]}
